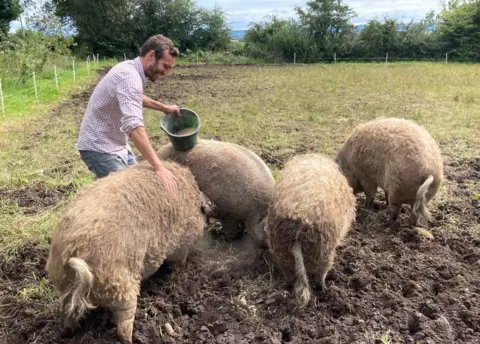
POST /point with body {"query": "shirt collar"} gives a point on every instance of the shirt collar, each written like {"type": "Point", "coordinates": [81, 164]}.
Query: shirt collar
{"type": "Point", "coordinates": [140, 70]}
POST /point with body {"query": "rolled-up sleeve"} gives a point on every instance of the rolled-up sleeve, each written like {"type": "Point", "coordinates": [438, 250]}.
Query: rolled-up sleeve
{"type": "Point", "coordinates": [130, 100]}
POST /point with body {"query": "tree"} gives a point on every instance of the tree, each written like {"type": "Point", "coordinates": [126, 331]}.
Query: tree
{"type": "Point", "coordinates": [328, 22]}
{"type": "Point", "coordinates": [420, 39]}
{"type": "Point", "coordinates": [459, 28]}
{"type": "Point", "coordinates": [378, 38]}
{"type": "Point", "coordinates": [279, 39]}
{"type": "Point", "coordinates": [41, 17]}
{"type": "Point", "coordinates": [9, 10]}
{"type": "Point", "coordinates": [106, 26]}
{"type": "Point", "coordinates": [176, 19]}
{"type": "Point", "coordinates": [212, 33]}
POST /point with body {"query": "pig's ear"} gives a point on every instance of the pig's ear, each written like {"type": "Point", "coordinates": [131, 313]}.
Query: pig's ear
{"type": "Point", "coordinates": [206, 205]}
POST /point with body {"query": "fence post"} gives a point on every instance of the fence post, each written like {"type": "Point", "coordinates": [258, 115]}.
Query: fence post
{"type": "Point", "coordinates": [88, 65]}
{"type": "Point", "coordinates": [124, 57]}
{"type": "Point", "coordinates": [97, 58]}
{"type": "Point", "coordinates": [334, 58]}
{"type": "Point", "coordinates": [56, 77]}
{"type": "Point", "coordinates": [294, 58]}
{"type": "Point", "coordinates": [386, 58]}
{"type": "Point", "coordinates": [446, 58]}
{"type": "Point", "coordinates": [1, 99]}
{"type": "Point", "coordinates": [73, 68]}
{"type": "Point", "coordinates": [35, 87]}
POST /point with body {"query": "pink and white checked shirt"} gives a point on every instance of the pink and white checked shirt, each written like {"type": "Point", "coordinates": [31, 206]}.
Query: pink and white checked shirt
{"type": "Point", "coordinates": [114, 109]}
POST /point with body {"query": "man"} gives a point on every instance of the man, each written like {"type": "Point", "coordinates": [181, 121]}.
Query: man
{"type": "Point", "coordinates": [115, 113]}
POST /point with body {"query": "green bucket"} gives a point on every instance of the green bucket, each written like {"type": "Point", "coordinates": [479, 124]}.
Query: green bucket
{"type": "Point", "coordinates": [188, 122]}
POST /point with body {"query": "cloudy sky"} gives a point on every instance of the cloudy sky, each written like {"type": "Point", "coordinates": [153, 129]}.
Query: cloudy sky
{"type": "Point", "coordinates": [242, 13]}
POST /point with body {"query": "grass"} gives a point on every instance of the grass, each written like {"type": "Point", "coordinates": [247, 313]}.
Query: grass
{"type": "Point", "coordinates": [19, 98]}
{"type": "Point", "coordinates": [285, 109]}
{"type": "Point", "coordinates": [276, 111]}
{"type": "Point", "coordinates": [23, 127]}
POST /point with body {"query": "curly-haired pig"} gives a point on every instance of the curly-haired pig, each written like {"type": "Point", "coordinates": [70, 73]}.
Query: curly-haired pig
{"type": "Point", "coordinates": [397, 155]}
{"type": "Point", "coordinates": [235, 180]}
{"type": "Point", "coordinates": [117, 232]}
{"type": "Point", "coordinates": [312, 211]}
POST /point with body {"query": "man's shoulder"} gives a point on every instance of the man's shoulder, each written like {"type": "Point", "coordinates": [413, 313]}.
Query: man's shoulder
{"type": "Point", "coordinates": [125, 70]}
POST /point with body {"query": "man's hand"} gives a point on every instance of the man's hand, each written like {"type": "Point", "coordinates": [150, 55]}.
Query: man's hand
{"type": "Point", "coordinates": [172, 108]}
{"type": "Point", "coordinates": [141, 141]}
{"type": "Point", "coordinates": [167, 177]}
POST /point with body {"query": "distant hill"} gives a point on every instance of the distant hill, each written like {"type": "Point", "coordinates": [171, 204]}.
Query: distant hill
{"type": "Point", "coordinates": [237, 34]}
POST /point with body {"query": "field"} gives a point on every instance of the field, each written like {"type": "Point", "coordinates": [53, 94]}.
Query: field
{"type": "Point", "coordinates": [413, 285]}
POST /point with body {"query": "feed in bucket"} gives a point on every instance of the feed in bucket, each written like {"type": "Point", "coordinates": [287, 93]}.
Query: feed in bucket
{"type": "Point", "coordinates": [186, 131]}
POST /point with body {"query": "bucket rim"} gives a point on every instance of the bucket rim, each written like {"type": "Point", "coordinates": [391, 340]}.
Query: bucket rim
{"type": "Point", "coordinates": [172, 114]}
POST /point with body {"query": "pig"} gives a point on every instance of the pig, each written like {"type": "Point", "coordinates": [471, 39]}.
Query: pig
{"type": "Point", "coordinates": [117, 232]}
{"type": "Point", "coordinates": [312, 211]}
{"type": "Point", "coordinates": [397, 155]}
{"type": "Point", "coordinates": [234, 179]}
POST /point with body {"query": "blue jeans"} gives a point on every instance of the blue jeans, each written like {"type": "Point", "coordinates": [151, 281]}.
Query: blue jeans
{"type": "Point", "coordinates": [101, 164]}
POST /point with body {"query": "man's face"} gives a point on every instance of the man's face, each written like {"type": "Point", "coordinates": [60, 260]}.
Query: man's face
{"type": "Point", "coordinates": [157, 68]}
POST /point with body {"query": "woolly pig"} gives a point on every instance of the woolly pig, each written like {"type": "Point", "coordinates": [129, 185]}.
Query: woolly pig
{"type": "Point", "coordinates": [118, 231]}
{"type": "Point", "coordinates": [400, 157]}
{"type": "Point", "coordinates": [312, 210]}
{"type": "Point", "coordinates": [235, 179]}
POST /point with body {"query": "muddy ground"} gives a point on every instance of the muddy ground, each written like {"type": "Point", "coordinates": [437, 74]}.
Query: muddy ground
{"type": "Point", "coordinates": [401, 284]}
{"type": "Point", "coordinates": [36, 197]}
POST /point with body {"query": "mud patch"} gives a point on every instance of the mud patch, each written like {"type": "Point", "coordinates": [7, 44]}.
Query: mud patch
{"type": "Point", "coordinates": [382, 282]}
{"type": "Point", "coordinates": [278, 157]}
{"type": "Point", "coordinates": [36, 197]}
{"type": "Point", "coordinates": [463, 171]}
{"type": "Point", "coordinates": [202, 81]}
{"type": "Point", "coordinates": [183, 82]}
{"type": "Point", "coordinates": [464, 190]}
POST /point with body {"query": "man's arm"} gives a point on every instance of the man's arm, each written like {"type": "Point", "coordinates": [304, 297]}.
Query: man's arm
{"type": "Point", "coordinates": [129, 95]}
{"type": "Point", "coordinates": [156, 105]}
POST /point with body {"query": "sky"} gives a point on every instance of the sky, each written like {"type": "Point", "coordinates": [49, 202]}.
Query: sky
{"type": "Point", "coordinates": [241, 13]}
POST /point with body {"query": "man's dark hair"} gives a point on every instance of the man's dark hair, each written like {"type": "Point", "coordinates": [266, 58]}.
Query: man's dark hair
{"type": "Point", "coordinates": [159, 43]}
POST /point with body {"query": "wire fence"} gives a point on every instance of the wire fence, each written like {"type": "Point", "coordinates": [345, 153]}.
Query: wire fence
{"type": "Point", "coordinates": [387, 58]}
{"type": "Point", "coordinates": [19, 96]}
{"type": "Point", "coordinates": [239, 58]}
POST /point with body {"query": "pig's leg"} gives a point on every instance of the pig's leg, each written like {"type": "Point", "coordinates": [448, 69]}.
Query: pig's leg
{"type": "Point", "coordinates": [395, 208]}
{"type": "Point", "coordinates": [370, 191]}
{"type": "Point", "coordinates": [289, 276]}
{"type": "Point", "coordinates": [124, 317]}
{"type": "Point", "coordinates": [179, 256]}
{"type": "Point", "coordinates": [324, 267]}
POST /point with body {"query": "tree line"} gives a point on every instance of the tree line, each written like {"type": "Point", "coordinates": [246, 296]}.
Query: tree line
{"type": "Point", "coordinates": [324, 28]}
{"type": "Point", "coordinates": [321, 29]}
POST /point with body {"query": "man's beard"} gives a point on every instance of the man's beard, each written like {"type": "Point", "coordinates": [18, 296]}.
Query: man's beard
{"type": "Point", "coordinates": [152, 74]}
